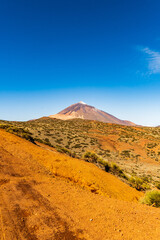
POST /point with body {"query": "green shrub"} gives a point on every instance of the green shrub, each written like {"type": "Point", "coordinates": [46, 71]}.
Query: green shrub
{"type": "Point", "coordinates": [112, 168]}
{"type": "Point", "coordinates": [107, 167]}
{"type": "Point", "coordinates": [66, 151]}
{"type": "Point", "coordinates": [139, 183]}
{"type": "Point", "coordinates": [48, 143]}
{"type": "Point", "coordinates": [77, 145]}
{"type": "Point", "coordinates": [136, 183]}
{"type": "Point", "coordinates": [18, 131]}
{"type": "Point", "coordinates": [125, 153]}
{"type": "Point", "coordinates": [46, 140]}
{"type": "Point", "coordinates": [38, 140]}
{"type": "Point", "coordinates": [146, 186]}
{"type": "Point", "coordinates": [151, 145]}
{"type": "Point", "coordinates": [116, 170]}
{"type": "Point", "coordinates": [91, 157]}
{"type": "Point", "coordinates": [59, 140]}
{"type": "Point", "coordinates": [152, 198]}
{"type": "Point", "coordinates": [158, 185]}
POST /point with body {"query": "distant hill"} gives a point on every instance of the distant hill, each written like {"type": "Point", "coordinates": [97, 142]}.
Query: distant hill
{"type": "Point", "coordinates": [84, 111]}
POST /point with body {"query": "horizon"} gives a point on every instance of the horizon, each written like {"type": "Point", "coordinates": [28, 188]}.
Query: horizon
{"type": "Point", "coordinates": [105, 53]}
{"type": "Point", "coordinates": [84, 119]}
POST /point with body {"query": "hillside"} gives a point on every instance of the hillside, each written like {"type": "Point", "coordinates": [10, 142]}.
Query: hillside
{"type": "Point", "coordinates": [48, 195]}
{"type": "Point", "coordinates": [84, 174]}
{"type": "Point", "coordinates": [135, 149]}
{"type": "Point", "coordinates": [84, 111]}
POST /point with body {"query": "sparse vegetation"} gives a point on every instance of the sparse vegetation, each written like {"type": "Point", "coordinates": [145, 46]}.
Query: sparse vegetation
{"type": "Point", "coordinates": [107, 142]}
{"type": "Point", "coordinates": [125, 153]}
{"type": "Point", "coordinates": [18, 131]}
{"type": "Point", "coordinates": [113, 168]}
{"type": "Point", "coordinates": [139, 183]}
{"type": "Point", "coordinates": [116, 170]}
{"type": "Point", "coordinates": [152, 198]}
{"type": "Point", "coordinates": [66, 151]}
{"type": "Point", "coordinates": [151, 145]}
{"type": "Point", "coordinates": [91, 157]}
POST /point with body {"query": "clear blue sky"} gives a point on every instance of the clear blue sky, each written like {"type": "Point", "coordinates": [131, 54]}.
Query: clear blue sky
{"type": "Point", "coordinates": [55, 53]}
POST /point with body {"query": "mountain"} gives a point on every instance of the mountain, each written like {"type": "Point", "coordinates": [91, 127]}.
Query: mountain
{"type": "Point", "coordinates": [85, 111]}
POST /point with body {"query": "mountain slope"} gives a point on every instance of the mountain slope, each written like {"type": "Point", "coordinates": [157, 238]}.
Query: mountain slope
{"type": "Point", "coordinates": [39, 202]}
{"type": "Point", "coordinates": [84, 174]}
{"type": "Point", "coordinates": [84, 111]}
{"type": "Point", "coordinates": [128, 147]}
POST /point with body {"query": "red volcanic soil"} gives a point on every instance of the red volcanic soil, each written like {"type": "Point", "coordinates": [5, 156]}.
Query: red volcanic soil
{"type": "Point", "coordinates": [46, 195]}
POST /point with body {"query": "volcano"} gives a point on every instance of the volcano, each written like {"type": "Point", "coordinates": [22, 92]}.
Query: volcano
{"type": "Point", "coordinates": [85, 111]}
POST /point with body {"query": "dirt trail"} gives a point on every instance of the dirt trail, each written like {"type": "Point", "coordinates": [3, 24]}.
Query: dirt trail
{"type": "Point", "coordinates": [36, 204]}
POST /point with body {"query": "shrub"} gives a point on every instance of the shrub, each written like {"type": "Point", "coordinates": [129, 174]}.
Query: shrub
{"type": "Point", "coordinates": [66, 151]}
{"type": "Point", "coordinates": [77, 146]}
{"type": "Point", "coordinates": [38, 140]}
{"type": "Point", "coordinates": [139, 183]}
{"type": "Point", "coordinates": [107, 167]}
{"type": "Point", "coordinates": [146, 186]}
{"type": "Point", "coordinates": [59, 140]}
{"type": "Point", "coordinates": [46, 140]}
{"type": "Point", "coordinates": [136, 183]}
{"type": "Point", "coordinates": [91, 157]}
{"type": "Point", "coordinates": [47, 143]}
{"type": "Point", "coordinates": [151, 145]}
{"type": "Point", "coordinates": [152, 198]}
{"type": "Point", "coordinates": [158, 185]}
{"type": "Point", "coordinates": [18, 131]}
{"type": "Point", "coordinates": [115, 169]}
{"type": "Point", "coordinates": [125, 153]}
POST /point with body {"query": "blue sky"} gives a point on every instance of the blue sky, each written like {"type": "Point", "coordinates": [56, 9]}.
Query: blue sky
{"type": "Point", "coordinates": [55, 53]}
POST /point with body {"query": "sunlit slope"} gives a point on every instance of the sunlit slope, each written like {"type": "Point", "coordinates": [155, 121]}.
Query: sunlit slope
{"type": "Point", "coordinates": [84, 174]}
{"type": "Point", "coordinates": [36, 205]}
{"type": "Point", "coordinates": [85, 111]}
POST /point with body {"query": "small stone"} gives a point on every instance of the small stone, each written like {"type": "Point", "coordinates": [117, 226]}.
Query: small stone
{"type": "Point", "coordinates": [91, 220]}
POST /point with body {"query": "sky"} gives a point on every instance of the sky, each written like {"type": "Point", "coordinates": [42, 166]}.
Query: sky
{"type": "Point", "coordinates": [103, 52]}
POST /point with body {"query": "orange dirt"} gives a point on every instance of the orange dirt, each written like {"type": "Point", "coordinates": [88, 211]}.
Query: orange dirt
{"type": "Point", "coordinates": [44, 195]}
{"type": "Point", "coordinates": [110, 143]}
{"type": "Point", "coordinates": [84, 174]}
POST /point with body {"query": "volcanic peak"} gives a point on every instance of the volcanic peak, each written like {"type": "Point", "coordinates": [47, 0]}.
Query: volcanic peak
{"type": "Point", "coordinates": [85, 111]}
